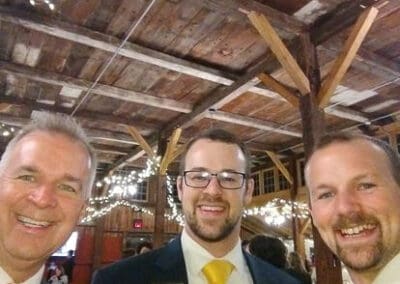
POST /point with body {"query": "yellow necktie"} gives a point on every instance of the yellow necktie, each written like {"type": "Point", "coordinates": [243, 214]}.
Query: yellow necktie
{"type": "Point", "coordinates": [217, 271]}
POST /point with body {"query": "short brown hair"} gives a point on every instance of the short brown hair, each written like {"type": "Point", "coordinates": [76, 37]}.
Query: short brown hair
{"type": "Point", "coordinates": [391, 154]}
{"type": "Point", "coordinates": [220, 135]}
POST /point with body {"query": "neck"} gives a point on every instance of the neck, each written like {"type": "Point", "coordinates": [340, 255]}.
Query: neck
{"type": "Point", "coordinates": [362, 277]}
{"type": "Point", "coordinates": [19, 270]}
{"type": "Point", "coordinates": [220, 248]}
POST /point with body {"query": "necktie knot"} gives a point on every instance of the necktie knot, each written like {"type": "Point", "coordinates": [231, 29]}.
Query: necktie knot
{"type": "Point", "coordinates": [217, 271]}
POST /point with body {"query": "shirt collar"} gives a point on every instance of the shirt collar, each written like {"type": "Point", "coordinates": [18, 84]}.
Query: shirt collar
{"type": "Point", "coordinates": [35, 279]}
{"type": "Point", "coordinates": [198, 256]}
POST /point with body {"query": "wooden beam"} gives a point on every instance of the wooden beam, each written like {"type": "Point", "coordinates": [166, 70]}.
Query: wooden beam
{"type": "Point", "coordinates": [108, 43]}
{"type": "Point", "coordinates": [279, 88]}
{"type": "Point", "coordinates": [343, 62]}
{"type": "Point", "coordinates": [279, 19]}
{"type": "Point", "coordinates": [283, 55]}
{"type": "Point", "coordinates": [178, 151]}
{"type": "Point", "coordinates": [253, 122]}
{"type": "Point", "coordinates": [171, 147]}
{"type": "Point", "coordinates": [142, 142]}
{"type": "Point", "coordinates": [281, 167]}
{"type": "Point", "coordinates": [100, 89]}
{"type": "Point", "coordinates": [305, 225]}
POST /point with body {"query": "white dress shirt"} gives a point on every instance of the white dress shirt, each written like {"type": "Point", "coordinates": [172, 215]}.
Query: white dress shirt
{"type": "Point", "coordinates": [196, 257]}
{"type": "Point", "coordinates": [35, 279]}
{"type": "Point", "coordinates": [390, 274]}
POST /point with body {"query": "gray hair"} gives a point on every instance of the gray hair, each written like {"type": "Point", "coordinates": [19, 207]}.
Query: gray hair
{"type": "Point", "coordinates": [61, 124]}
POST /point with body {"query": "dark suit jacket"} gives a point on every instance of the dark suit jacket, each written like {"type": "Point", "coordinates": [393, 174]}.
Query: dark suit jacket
{"type": "Point", "coordinates": [166, 265]}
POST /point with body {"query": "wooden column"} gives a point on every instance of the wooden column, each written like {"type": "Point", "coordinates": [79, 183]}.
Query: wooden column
{"type": "Point", "coordinates": [157, 185]}
{"type": "Point", "coordinates": [328, 269]}
{"type": "Point", "coordinates": [98, 243]}
{"type": "Point", "coordinates": [298, 237]}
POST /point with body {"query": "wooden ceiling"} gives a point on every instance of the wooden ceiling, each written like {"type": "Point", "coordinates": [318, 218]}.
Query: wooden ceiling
{"type": "Point", "coordinates": [158, 65]}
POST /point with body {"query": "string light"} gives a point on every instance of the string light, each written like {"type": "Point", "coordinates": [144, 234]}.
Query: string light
{"type": "Point", "coordinates": [176, 215]}
{"type": "Point", "coordinates": [278, 211]}
{"type": "Point", "coordinates": [49, 3]}
{"type": "Point", "coordinates": [6, 130]}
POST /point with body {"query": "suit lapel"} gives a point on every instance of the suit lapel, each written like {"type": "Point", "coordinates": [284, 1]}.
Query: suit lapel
{"type": "Point", "coordinates": [172, 263]}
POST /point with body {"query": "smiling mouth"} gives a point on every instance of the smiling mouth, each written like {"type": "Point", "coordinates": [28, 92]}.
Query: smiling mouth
{"type": "Point", "coordinates": [356, 230]}
{"type": "Point", "coordinates": [32, 223]}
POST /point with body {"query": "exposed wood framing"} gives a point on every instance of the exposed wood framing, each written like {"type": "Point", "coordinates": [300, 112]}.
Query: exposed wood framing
{"type": "Point", "coordinates": [279, 88]}
{"type": "Point", "coordinates": [142, 142]}
{"type": "Point", "coordinates": [343, 62]}
{"type": "Point", "coordinates": [305, 226]}
{"type": "Point", "coordinates": [99, 89]}
{"type": "Point", "coordinates": [283, 55]}
{"type": "Point", "coordinates": [108, 43]}
{"type": "Point", "coordinates": [171, 148]}
{"type": "Point", "coordinates": [291, 24]}
{"type": "Point", "coordinates": [281, 167]}
{"type": "Point", "coordinates": [253, 122]}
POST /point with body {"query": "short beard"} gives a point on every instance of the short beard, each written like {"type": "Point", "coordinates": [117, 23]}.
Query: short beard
{"type": "Point", "coordinates": [226, 229]}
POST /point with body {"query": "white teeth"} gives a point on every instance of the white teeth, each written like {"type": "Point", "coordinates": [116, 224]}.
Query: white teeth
{"type": "Point", "coordinates": [212, 208]}
{"type": "Point", "coordinates": [32, 223]}
{"type": "Point", "coordinates": [356, 230]}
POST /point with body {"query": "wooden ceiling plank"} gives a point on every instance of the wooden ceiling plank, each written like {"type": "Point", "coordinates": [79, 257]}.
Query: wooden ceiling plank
{"type": "Point", "coordinates": [279, 88]}
{"type": "Point", "coordinates": [281, 52]}
{"type": "Point", "coordinates": [108, 43]}
{"type": "Point", "coordinates": [100, 89]}
{"type": "Point", "coordinates": [350, 49]}
{"type": "Point", "coordinates": [281, 167]}
{"type": "Point", "coordinates": [171, 147]}
{"type": "Point", "coordinates": [253, 122]}
{"type": "Point", "coordinates": [277, 18]}
{"type": "Point", "coordinates": [142, 142]}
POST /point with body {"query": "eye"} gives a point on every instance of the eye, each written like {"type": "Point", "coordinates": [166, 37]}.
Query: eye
{"type": "Point", "coordinates": [366, 186]}
{"type": "Point", "coordinates": [67, 188]}
{"type": "Point", "coordinates": [325, 195]}
{"type": "Point", "coordinates": [199, 176]}
{"type": "Point", "coordinates": [27, 178]}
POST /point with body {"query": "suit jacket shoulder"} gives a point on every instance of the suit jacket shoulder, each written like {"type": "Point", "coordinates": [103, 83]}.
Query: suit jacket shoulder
{"type": "Point", "coordinates": [165, 265]}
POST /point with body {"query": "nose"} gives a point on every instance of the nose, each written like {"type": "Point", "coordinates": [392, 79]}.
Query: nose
{"type": "Point", "coordinates": [43, 196]}
{"type": "Point", "coordinates": [213, 188]}
{"type": "Point", "coordinates": [347, 203]}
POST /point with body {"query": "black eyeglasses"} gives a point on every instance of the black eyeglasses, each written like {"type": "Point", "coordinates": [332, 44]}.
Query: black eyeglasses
{"type": "Point", "coordinates": [201, 179]}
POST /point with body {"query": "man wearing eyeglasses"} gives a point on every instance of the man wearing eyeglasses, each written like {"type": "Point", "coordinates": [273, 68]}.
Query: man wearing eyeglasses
{"type": "Point", "coordinates": [214, 186]}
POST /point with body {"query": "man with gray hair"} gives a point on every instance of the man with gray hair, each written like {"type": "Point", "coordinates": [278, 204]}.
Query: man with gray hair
{"type": "Point", "coordinates": [46, 173]}
{"type": "Point", "coordinates": [354, 184]}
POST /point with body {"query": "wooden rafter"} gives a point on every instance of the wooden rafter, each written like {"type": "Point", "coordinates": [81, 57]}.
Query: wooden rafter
{"type": "Point", "coordinates": [171, 148]}
{"type": "Point", "coordinates": [279, 88]}
{"type": "Point", "coordinates": [304, 226]}
{"type": "Point", "coordinates": [142, 142]}
{"type": "Point", "coordinates": [108, 43]}
{"type": "Point", "coordinates": [280, 50]}
{"type": "Point", "coordinates": [280, 166]}
{"type": "Point", "coordinates": [343, 62]}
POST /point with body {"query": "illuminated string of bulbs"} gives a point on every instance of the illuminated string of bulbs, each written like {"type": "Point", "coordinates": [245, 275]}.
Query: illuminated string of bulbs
{"type": "Point", "coordinates": [49, 3]}
{"type": "Point", "coordinates": [176, 215]}
{"type": "Point", "coordinates": [6, 130]}
{"type": "Point", "coordinates": [278, 211]}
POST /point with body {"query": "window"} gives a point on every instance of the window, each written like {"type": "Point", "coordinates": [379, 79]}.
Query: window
{"type": "Point", "coordinates": [141, 193]}
{"type": "Point", "coordinates": [256, 177]}
{"type": "Point", "coordinates": [283, 182]}
{"type": "Point", "coordinates": [70, 244]}
{"type": "Point", "coordinates": [269, 180]}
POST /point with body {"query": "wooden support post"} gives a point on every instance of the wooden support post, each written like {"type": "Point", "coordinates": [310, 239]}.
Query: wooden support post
{"type": "Point", "coordinates": [328, 269]}
{"type": "Point", "coordinates": [98, 237]}
{"type": "Point", "coordinates": [157, 185]}
{"type": "Point", "coordinates": [298, 236]}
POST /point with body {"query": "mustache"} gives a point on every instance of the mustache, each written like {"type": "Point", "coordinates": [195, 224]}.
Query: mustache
{"type": "Point", "coordinates": [354, 219]}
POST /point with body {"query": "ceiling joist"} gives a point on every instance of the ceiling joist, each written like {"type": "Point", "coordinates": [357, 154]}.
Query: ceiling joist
{"type": "Point", "coordinates": [281, 52]}
{"type": "Point", "coordinates": [350, 49]}
{"type": "Point", "coordinates": [279, 88]}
